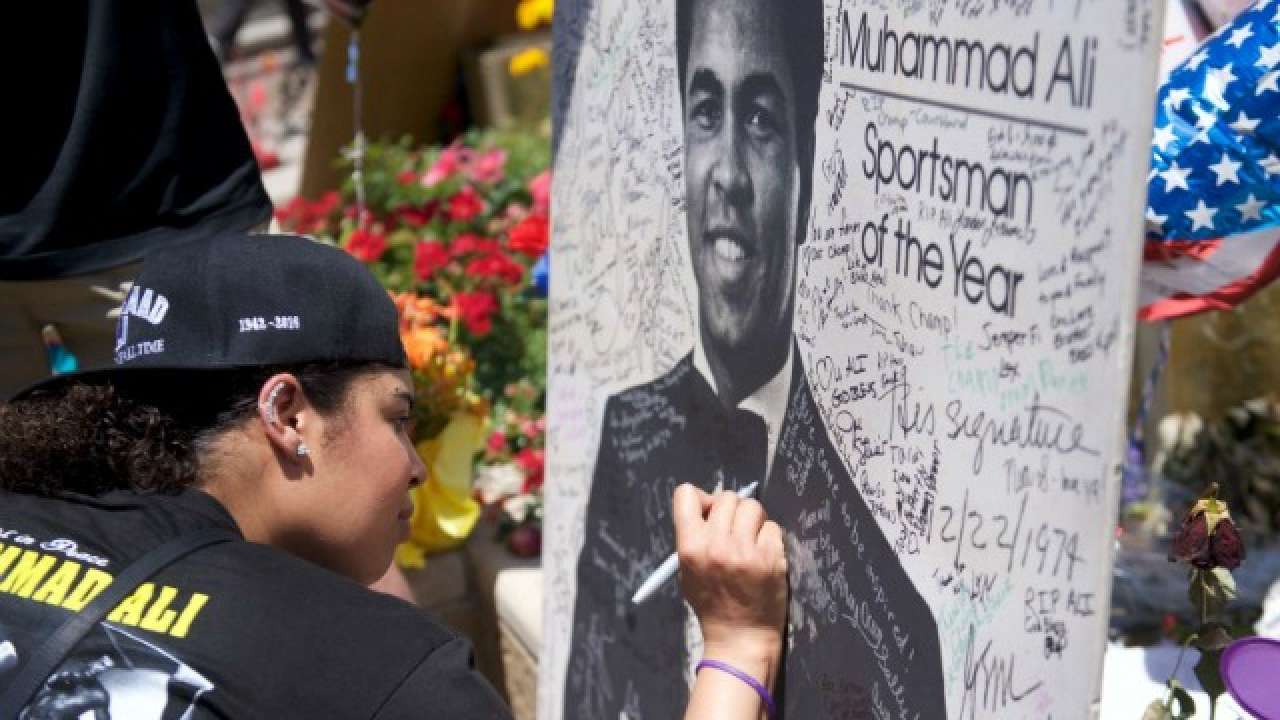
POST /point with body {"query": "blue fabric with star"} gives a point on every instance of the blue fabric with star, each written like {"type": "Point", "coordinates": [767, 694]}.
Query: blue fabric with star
{"type": "Point", "coordinates": [1215, 154]}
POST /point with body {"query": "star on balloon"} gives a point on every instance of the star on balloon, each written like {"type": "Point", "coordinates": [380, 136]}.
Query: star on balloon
{"type": "Point", "coordinates": [1268, 57]}
{"type": "Point", "coordinates": [1175, 177]}
{"type": "Point", "coordinates": [1226, 170]}
{"type": "Point", "coordinates": [1267, 83]}
{"type": "Point", "coordinates": [1239, 35]}
{"type": "Point", "coordinates": [1250, 209]}
{"type": "Point", "coordinates": [1216, 82]}
{"type": "Point", "coordinates": [1177, 97]}
{"type": "Point", "coordinates": [1163, 137]}
{"type": "Point", "coordinates": [1201, 216]}
{"type": "Point", "coordinates": [1244, 124]}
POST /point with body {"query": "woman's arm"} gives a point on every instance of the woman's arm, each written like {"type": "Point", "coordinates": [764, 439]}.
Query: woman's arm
{"type": "Point", "coordinates": [733, 571]}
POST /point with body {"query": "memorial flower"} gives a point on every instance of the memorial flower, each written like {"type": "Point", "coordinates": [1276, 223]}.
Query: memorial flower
{"type": "Point", "coordinates": [540, 189]}
{"type": "Point", "coordinates": [471, 244]}
{"type": "Point", "coordinates": [495, 266]}
{"type": "Point", "coordinates": [429, 257]}
{"type": "Point", "coordinates": [476, 310]}
{"type": "Point", "coordinates": [466, 205]}
{"type": "Point", "coordinates": [366, 245]}
{"type": "Point", "coordinates": [487, 167]}
{"type": "Point", "coordinates": [530, 236]}
{"type": "Point", "coordinates": [451, 160]}
{"type": "Point", "coordinates": [1207, 537]}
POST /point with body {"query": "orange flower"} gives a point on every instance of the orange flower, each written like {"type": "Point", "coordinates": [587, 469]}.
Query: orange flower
{"type": "Point", "coordinates": [422, 344]}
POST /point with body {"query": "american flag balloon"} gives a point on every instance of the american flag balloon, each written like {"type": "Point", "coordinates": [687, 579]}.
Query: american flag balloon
{"type": "Point", "coordinates": [1213, 194]}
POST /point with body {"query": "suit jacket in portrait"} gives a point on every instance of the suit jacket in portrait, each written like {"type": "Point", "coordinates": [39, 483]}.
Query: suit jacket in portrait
{"type": "Point", "coordinates": [861, 641]}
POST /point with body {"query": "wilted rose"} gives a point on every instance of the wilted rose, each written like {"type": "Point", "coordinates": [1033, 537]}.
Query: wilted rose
{"type": "Point", "coordinates": [1207, 537]}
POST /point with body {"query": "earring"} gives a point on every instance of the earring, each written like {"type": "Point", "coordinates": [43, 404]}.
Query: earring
{"type": "Point", "coordinates": [303, 450]}
{"type": "Point", "coordinates": [270, 405]}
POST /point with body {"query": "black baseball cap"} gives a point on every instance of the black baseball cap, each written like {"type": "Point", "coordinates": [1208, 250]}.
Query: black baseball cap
{"type": "Point", "coordinates": [238, 301]}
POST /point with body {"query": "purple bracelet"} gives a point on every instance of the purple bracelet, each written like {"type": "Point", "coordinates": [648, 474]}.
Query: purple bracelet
{"type": "Point", "coordinates": [761, 690]}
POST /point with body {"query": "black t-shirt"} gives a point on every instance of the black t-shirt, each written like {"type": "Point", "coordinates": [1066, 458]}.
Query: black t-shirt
{"type": "Point", "coordinates": [235, 630]}
{"type": "Point", "coordinates": [119, 130]}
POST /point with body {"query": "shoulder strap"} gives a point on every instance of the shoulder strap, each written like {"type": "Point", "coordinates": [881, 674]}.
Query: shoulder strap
{"type": "Point", "coordinates": [47, 658]}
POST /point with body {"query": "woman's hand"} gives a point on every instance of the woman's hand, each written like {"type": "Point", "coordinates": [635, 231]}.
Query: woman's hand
{"type": "Point", "coordinates": [733, 571]}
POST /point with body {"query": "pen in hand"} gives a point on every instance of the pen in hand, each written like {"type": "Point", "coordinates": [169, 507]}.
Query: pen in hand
{"type": "Point", "coordinates": [667, 569]}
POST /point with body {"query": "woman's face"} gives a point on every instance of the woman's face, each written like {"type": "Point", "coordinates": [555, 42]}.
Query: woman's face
{"type": "Point", "coordinates": [364, 464]}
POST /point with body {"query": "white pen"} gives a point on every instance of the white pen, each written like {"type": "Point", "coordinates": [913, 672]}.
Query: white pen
{"type": "Point", "coordinates": [667, 569]}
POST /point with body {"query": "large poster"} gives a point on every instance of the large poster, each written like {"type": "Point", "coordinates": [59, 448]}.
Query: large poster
{"type": "Point", "coordinates": [879, 256]}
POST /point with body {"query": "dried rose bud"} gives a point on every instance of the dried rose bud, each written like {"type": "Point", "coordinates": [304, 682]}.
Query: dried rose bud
{"type": "Point", "coordinates": [1225, 546]}
{"type": "Point", "coordinates": [1207, 537]}
{"type": "Point", "coordinates": [1191, 542]}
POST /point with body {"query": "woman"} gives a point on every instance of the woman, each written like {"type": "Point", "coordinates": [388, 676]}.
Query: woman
{"type": "Point", "coordinates": [225, 489]}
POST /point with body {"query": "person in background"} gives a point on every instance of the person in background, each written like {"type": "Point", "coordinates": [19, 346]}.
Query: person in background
{"type": "Point", "coordinates": [122, 137]}
{"type": "Point", "coordinates": [260, 393]}
{"type": "Point", "coordinates": [229, 15]}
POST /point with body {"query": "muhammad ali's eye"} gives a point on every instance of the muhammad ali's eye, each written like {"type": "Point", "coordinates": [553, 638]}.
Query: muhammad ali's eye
{"type": "Point", "coordinates": [761, 124]}
{"type": "Point", "coordinates": [707, 113]}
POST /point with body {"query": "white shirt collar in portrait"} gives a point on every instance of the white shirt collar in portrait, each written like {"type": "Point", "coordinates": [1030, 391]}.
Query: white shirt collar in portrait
{"type": "Point", "coordinates": [769, 401]}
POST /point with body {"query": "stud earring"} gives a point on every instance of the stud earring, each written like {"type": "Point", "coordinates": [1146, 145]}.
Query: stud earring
{"type": "Point", "coordinates": [303, 450]}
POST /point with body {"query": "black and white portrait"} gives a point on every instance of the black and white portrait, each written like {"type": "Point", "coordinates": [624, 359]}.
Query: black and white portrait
{"type": "Point", "coordinates": [112, 673]}
{"type": "Point", "coordinates": [737, 409]}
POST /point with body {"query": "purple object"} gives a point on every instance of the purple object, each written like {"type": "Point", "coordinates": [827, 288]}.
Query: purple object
{"type": "Point", "coordinates": [1251, 670]}
{"type": "Point", "coordinates": [761, 690]}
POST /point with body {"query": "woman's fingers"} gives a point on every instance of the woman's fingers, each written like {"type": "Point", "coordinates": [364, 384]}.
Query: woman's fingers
{"type": "Point", "coordinates": [723, 509]}
{"type": "Point", "coordinates": [688, 508]}
{"type": "Point", "coordinates": [748, 517]}
{"type": "Point", "coordinates": [769, 542]}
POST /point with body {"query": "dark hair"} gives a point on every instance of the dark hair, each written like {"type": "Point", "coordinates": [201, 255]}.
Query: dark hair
{"type": "Point", "coordinates": [802, 24]}
{"type": "Point", "coordinates": [145, 433]}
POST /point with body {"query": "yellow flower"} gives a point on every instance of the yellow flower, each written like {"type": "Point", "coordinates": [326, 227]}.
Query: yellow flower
{"type": "Point", "coordinates": [526, 61]}
{"type": "Point", "coordinates": [531, 13]}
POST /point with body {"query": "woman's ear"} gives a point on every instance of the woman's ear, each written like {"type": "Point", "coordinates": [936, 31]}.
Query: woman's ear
{"type": "Point", "coordinates": [285, 412]}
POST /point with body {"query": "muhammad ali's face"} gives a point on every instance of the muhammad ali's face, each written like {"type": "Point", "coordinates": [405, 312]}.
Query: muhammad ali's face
{"type": "Point", "coordinates": [741, 175]}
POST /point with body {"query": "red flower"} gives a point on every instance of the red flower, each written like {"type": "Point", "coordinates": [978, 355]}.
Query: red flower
{"type": "Point", "coordinates": [366, 245]}
{"type": "Point", "coordinates": [540, 189]}
{"type": "Point", "coordinates": [498, 266]}
{"type": "Point", "coordinates": [412, 216]}
{"type": "Point", "coordinates": [476, 310]}
{"type": "Point", "coordinates": [471, 244]}
{"type": "Point", "coordinates": [530, 236]}
{"type": "Point", "coordinates": [428, 257]}
{"type": "Point", "coordinates": [407, 177]}
{"type": "Point", "coordinates": [302, 216]}
{"type": "Point", "coordinates": [327, 203]}
{"type": "Point", "coordinates": [531, 461]}
{"type": "Point", "coordinates": [465, 205]}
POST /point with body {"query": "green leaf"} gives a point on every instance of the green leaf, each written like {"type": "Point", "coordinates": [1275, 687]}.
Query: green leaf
{"type": "Point", "coordinates": [1211, 591]}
